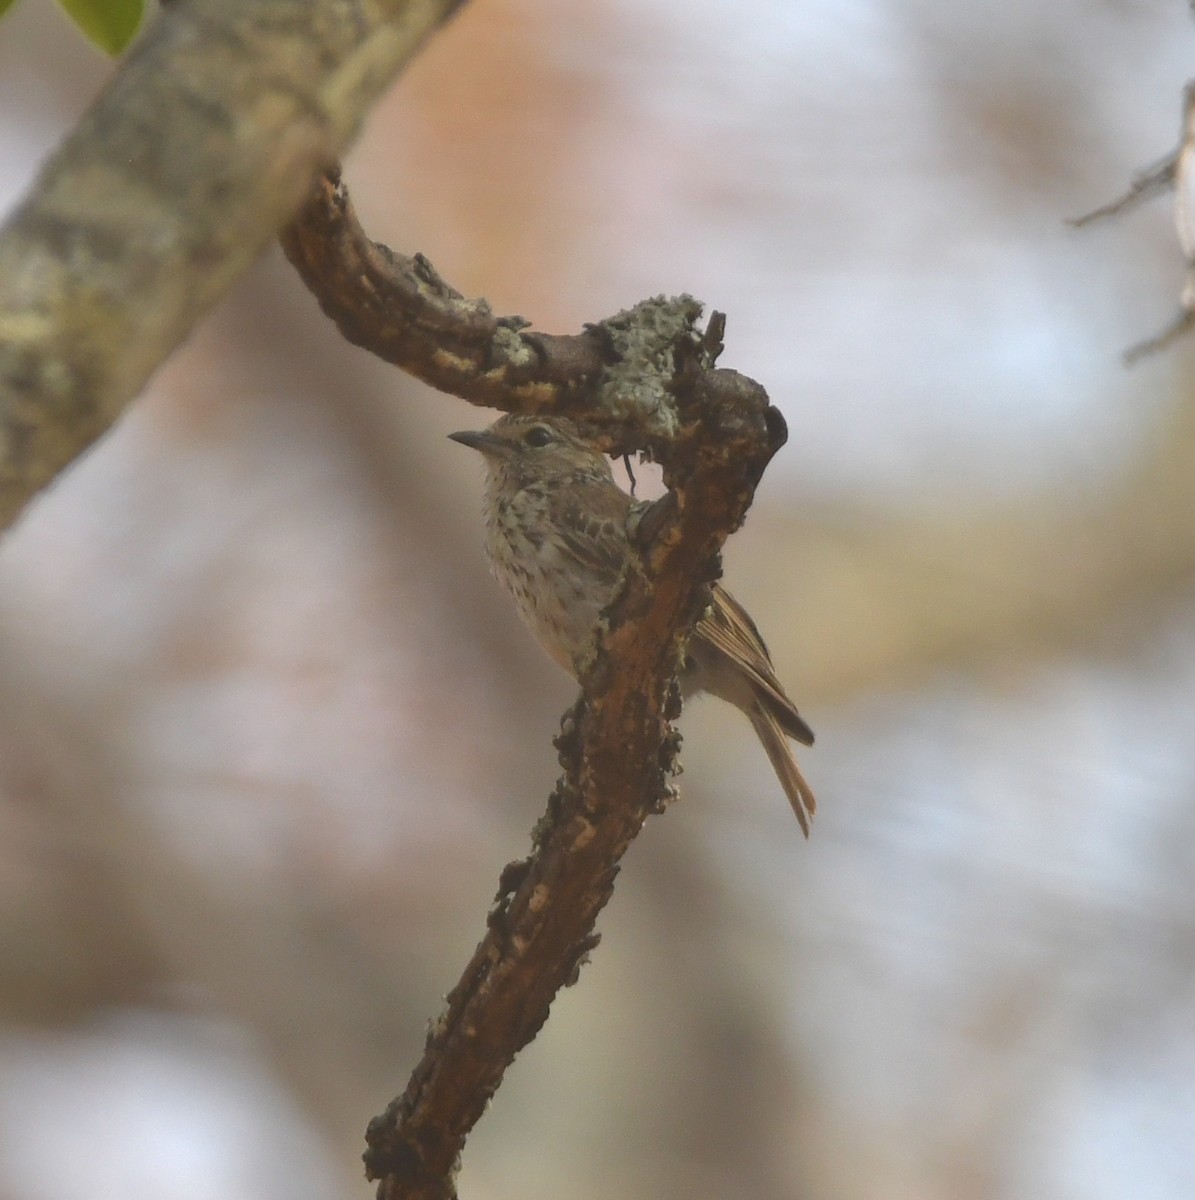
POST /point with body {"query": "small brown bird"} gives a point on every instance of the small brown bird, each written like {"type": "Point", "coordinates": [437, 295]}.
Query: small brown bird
{"type": "Point", "coordinates": [556, 537]}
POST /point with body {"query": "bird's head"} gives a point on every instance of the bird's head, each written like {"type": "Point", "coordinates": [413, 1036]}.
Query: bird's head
{"type": "Point", "coordinates": [519, 450]}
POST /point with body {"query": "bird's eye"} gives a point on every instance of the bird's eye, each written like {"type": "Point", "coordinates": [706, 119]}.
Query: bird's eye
{"type": "Point", "coordinates": [538, 435]}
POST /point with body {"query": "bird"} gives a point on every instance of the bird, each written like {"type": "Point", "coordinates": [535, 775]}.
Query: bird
{"type": "Point", "coordinates": [556, 538]}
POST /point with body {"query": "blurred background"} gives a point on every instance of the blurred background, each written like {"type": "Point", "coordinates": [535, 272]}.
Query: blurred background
{"type": "Point", "coordinates": [268, 731]}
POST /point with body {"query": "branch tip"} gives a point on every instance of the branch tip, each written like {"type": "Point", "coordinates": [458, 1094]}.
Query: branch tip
{"type": "Point", "coordinates": [1151, 346]}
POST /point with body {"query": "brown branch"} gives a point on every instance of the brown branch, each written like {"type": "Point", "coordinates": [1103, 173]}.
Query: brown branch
{"type": "Point", "coordinates": [400, 309]}
{"type": "Point", "coordinates": [618, 750]}
{"type": "Point", "coordinates": [612, 376]}
{"type": "Point", "coordinates": [644, 380]}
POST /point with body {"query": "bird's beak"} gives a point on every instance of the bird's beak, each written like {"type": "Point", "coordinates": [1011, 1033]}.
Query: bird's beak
{"type": "Point", "coordinates": [482, 440]}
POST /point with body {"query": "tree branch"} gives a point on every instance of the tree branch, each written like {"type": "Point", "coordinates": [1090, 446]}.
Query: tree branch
{"type": "Point", "coordinates": [401, 310]}
{"type": "Point", "coordinates": [1176, 171]}
{"type": "Point", "coordinates": [641, 380]}
{"type": "Point", "coordinates": [190, 161]}
{"type": "Point", "coordinates": [618, 751]}
{"type": "Point", "coordinates": [613, 377]}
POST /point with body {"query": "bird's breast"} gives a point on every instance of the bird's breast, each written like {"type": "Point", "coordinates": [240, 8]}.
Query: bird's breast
{"type": "Point", "coordinates": [554, 597]}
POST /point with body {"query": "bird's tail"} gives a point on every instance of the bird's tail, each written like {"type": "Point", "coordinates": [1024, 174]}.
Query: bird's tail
{"type": "Point", "coordinates": [775, 742]}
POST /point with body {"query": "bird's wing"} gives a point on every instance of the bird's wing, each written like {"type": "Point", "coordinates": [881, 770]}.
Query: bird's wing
{"type": "Point", "coordinates": [728, 628]}
{"type": "Point", "coordinates": [590, 522]}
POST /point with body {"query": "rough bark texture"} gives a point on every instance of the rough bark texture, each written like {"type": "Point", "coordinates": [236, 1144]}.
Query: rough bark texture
{"type": "Point", "coordinates": [618, 751]}
{"type": "Point", "coordinates": [642, 380]}
{"type": "Point", "coordinates": [613, 377]}
{"type": "Point", "coordinates": [187, 165]}
{"type": "Point", "coordinates": [400, 309]}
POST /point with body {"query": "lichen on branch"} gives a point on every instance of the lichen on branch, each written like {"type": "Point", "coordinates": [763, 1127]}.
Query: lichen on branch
{"type": "Point", "coordinates": [643, 380]}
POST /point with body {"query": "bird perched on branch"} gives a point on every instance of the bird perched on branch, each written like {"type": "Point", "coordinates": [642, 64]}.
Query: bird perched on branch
{"type": "Point", "coordinates": [556, 537]}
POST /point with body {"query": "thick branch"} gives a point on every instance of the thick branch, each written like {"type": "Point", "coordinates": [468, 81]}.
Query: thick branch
{"type": "Point", "coordinates": [643, 380]}
{"type": "Point", "coordinates": [618, 751]}
{"type": "Point", "coordinates": [192, 159]}
{"type": "Point", "coordinates": [401, 310]}
{"type": "Point", "coordinates": [613, 377]}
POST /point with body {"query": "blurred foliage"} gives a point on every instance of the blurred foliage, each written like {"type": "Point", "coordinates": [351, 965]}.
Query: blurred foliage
{"type": "Point", "coordinates": [109, 24]}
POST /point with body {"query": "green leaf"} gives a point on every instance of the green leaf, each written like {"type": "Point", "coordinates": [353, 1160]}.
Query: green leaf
{"type": "Point", "coordinates": [5, 5]}
{"type": "Point", "coordinates": [109, 23]}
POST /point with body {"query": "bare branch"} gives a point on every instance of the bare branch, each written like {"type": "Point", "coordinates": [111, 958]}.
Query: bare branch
{"type": "Point", "coordinates": [1150, 182]}
{"type": "Point", "coordinates": [400, 309]}
{"type": "Point", "coordinates": [641, 380]}
{"type": "Point", "coordinates": [613, 377]}
{"type": "Point", "coordinates": [618, 750]}
{"type": "Point", "coordinates": [1177, 171]}
{"type": "Point", "coordinates": [1183, 321]}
